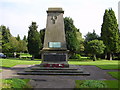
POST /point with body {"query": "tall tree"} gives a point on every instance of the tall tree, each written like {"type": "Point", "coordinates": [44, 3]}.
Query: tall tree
{"type": "Point", "coordinates": [71, 37]}
{"type": "Point", "coordinates": [110, 32]}
{"type": "Point", "coordinates": [80, 41]}
{"type": "Point", "coordinates": [5, 34]}
{"type": "Point", "coordinates": [42, 34]}
{"type": "Point", "coordinates": [34, 42]}
{"type": "Point", "coordinates": [18, 37]}
{"type": "Point", "coordinates": [91, 36]}
{"type": "Point", "coordinates": [25, 38]}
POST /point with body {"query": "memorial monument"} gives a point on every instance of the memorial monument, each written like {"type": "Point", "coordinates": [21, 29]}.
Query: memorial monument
{"type": "Point", "coordinates": [54, 52]}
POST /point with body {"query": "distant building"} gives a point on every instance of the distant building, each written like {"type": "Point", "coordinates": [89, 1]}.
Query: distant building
{"type": "Point", "coordinates": [119, 15]}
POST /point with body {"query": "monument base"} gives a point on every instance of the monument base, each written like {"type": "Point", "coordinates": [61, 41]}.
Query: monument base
{"type": "Point", "coordinates": [54, 63]}
{"type": "Point", "coordinates": [40, 70]}
{"type": "Point", "coordinates": [54, 58]}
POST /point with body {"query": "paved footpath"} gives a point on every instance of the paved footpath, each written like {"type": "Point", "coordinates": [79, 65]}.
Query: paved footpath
{"type": "Point", "coordinates": [52, 81]}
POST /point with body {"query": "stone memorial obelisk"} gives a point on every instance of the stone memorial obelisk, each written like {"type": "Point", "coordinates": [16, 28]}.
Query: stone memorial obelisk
{"type": "Point", "coordinates": [54, 50]}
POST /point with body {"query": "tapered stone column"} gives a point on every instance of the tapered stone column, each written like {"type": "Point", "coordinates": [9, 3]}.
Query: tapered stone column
{"type": "Point", "coordinates": [54, 50]}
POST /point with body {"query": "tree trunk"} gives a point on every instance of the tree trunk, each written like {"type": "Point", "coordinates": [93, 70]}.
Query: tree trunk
{"type": "Point", "coordinates": [32, 57]}
{"type": "Point", "coordinates": [110, 56]}
{"type": "Point", "coordinates": [94, 57]}
{"type": "Point", "coordinates": [106, 56]}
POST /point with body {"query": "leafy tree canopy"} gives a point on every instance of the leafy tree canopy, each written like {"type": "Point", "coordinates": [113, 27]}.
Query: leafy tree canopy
{"type": "Point", "coordinates": [95, 47]}
{"type": "Point", "coordinates": [5, 34]}
{"type": "Point", "coordinates": [34, 42]}
{"type": "Point", "coordinates": [71, 37]}
{"type": "Point", "coordinates": [18, 37]}
{"type": "Point", "coordinates": [110, 32]}
{"type": "Point", "coordinates": [91, 36]}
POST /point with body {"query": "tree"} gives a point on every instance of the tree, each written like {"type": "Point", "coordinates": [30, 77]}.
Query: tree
{"type": "Point", "coordinates": [71, 37]}
{"type": "Point", "coordinates": [34, 42]}
{"type": "Point", "coordinates": [25, 38]}
{"type": "Point", "coordinates": [95, 47]}
{"type": "Point", "coordinates": [91, 36]}
{"type": "Point", "coordinates": [5, 34]}
{"type": "Point", "coordinates": [22, 46]}
{"type": "Point", "coordinates": [42, 34]}
{"type": "Point", "coordinates": [11, 46]}
{"type": "Point", "coordinates": [80, 41]}
{"type": "Point", "coordinates": [18, 37]}
{"type": "Point", "coordinates": [110, 33]}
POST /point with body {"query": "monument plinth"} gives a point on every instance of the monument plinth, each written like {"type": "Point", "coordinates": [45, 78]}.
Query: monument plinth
{"type": "Point", "coordinates": [54, 50]}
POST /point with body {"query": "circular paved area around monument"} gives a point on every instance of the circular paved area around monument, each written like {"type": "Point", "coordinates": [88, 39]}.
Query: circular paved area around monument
{"type": "Point", "coordinates": [53, 81]}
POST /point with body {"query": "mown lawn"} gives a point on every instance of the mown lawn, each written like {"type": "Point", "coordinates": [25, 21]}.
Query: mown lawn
{"type": "Point", "coordinates": [99, 62]}
{"type": "Point", "coordinates": [25, 55]}
{"type": "Point", "coordinates": [104, 64]}
{"type": "Point", "coordinates": [115, 75]}
{"type": "Point", "coordinates": [13, 62]}
{"type": "Point", "coordinates": [114, 66]}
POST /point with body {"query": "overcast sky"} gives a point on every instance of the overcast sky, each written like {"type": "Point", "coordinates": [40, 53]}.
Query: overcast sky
{"type": "Point", "coordinates": [87, 14]}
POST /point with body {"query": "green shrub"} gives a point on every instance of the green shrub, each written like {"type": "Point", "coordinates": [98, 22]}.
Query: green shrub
{"type": "Point", "coordinates": [9, 54]}
{"type": "Point", "coordinates": [81, 59]}
{"type": "Point", "coordinates": [14, 83]}
{"type": "Point", "coordinates": [17, 55]}
{"type": "Point", "coordinates": [75, 56]}
{"type": "Point", "coordinates": [93, 84]}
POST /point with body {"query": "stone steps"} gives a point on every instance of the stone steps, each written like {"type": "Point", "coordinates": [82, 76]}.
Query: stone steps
{"type": "Point", "coordinates": [37, 70]}
{"type": "Point", "coordinates": [48, 73]}
{"type": "Point", "coordinates": [55, 71]}
{"type": "Point", "coordinates": [50, 68]}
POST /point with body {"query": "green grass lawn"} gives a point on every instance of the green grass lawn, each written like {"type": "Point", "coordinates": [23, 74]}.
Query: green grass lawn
{"type": "Point", "coordinates": [114, 66]}
{"type": "Point", "coordinates": [13, 62]}
{"type": "Point", "coordinates": [115, 75]}
{"type": "Point", "coordinates": [101, 63]}
{"type": "Point", "coordinates": [96, 84]}
{"type": "Point", "coordinates": [25, 55]}
{"type": "Point", "coordinates": [112, 83]}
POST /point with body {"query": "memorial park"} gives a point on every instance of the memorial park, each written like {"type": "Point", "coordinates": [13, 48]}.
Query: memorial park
{"type": "Point", "coordinates": [57, 57]}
